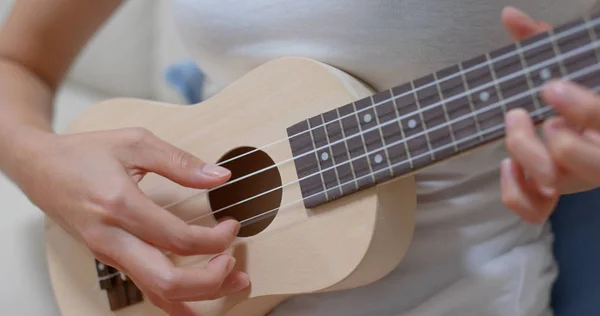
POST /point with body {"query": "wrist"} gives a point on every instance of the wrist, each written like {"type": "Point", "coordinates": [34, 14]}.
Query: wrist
{"type": "Point", "coordinates": [19, 146]}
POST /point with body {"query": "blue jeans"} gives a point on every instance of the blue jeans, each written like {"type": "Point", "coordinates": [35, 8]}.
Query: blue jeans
{"type": "Point", "coordinates": [576, 225]}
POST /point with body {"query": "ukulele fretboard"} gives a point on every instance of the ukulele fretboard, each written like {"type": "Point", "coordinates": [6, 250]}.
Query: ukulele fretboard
{"type": "Point", "coordinates": [417, 124]}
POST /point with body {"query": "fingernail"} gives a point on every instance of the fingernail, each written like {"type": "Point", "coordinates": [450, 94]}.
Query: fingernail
{"type": "Point", "coordinates": [546, 182]}
{"type": "Point", "coordinates": [215, 171]}
{"type": "Point", "coordinates": [530, 21]}
{"type": "Point", "coordinates": [554, 126]}
{"type": "Point", "coordinates": [518, 12]}
{"type": "Point", "coordinates": [512, 118]}
{"type": "Point", "coordinates": [237, 228]}
{"type": "Point", "coordinates": [237, 285]}
{"type": "Point", "coordinates": [225, 218]}
{"type": "Point", "coordinates": [505, 168]}
{"type": "Point", "coordinates": [224, 259]}
{"type": "Point", "coordinates": [547, 191]}
{"type": "Point", "coordinates": [218, 258]}
{"type": "Point", "coordinates": [231, 264]}
{"type": "Point", "coordinates": [560, 93]}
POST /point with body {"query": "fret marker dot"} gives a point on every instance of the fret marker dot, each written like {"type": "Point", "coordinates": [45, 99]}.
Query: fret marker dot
{"type": "Point", "coordinates": [545, 74]}
{"type": "Point", "coordinates": [412, 124]}
{"type": "Point", "coordinates": [378, 158]}
{"type": "Point", "coordinates": [101, 266]}
{"type": "Point", "coordinates": [324, 156]}
{"type": "Point", "coordinates": [367, 118]}
{"type": "Point", "coordinates": [484, 96]}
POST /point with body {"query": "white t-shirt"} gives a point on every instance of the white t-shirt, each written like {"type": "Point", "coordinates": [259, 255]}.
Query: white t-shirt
{"type": "Point", "coordinates": [470, 255]}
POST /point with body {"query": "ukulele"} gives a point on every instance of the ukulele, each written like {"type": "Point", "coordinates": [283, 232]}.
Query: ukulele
{"type": "Point", "coordinates": [322, 167]}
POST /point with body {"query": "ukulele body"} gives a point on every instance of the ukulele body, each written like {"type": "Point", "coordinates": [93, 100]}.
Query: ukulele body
{"type": "Point", "coordinates": [343, 244]}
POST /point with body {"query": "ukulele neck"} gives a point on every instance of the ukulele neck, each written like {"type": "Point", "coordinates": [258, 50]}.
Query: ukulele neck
{"type": "Point", "coordinates": [402, 130]}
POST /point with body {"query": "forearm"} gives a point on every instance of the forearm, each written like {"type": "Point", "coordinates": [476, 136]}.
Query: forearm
{"type": "Point", "coordinates": [25, 113]}
{"type": "Point", "coordinates": [39, 42]}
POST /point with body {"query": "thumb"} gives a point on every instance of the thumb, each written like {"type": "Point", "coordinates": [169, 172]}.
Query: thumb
{"type": "Point", "coordinates": [151, 154]}
{"type": "Point", "coordinates": [520, 25]}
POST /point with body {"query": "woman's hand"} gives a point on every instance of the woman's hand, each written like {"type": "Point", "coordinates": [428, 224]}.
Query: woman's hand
{"type": "Point", "coordinates": [567, 160]}
{"type": "Point", "coordinates": [87, 183]}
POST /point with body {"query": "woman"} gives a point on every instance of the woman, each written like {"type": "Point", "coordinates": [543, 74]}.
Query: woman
{"type": "Point", "coordinates": [470, 255]}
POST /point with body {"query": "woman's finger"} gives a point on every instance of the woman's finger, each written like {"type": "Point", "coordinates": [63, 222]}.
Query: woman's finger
{"type": "Point", "coordinates": [577, 104]}
{"type": "Point", "coordinates": [154, 272]}
{"type": "Point", "coordinates": [571, 151]}
{"type": "Point", "coordinates": [529, 151]}
{"type": "Point", "coordinates": [145, 151]}
{"type": "Point", "coordinates": [520, 195]}
{"type": "Point", "coordinates": [143, 218]}
{"type": "Point", "coordinates": [520, 25]}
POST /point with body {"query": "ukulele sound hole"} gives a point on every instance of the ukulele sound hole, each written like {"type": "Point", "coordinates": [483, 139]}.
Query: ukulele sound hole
{"type": "Point", "coordinates": [245, 200]}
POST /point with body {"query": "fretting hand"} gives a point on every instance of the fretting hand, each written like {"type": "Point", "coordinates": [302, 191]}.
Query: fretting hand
{"type": "Point", "coordinates": [88, 184]}
{"type": "Point", "coordinates": [567, 159]}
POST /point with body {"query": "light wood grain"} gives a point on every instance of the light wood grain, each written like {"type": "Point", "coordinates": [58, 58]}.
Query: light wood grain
{"type": "Point", "coordinates": [347, 243]}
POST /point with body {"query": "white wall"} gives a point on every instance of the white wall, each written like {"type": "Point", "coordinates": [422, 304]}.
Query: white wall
{"type": "Point", "coordinates": [130, 53]}
{"type": "Point", "coordinates": [120, 59]}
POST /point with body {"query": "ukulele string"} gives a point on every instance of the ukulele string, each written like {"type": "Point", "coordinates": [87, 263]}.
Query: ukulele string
{"type": "Point", "coordinates": [485, 132]}
{"type": "Point", "coordinates": [572, 53]}
{"type": "Point", "coordinates": [521, 49]}
{"type": "Point", "coordinates": [258, 217]}
{"type": "Point", "coordinates": [269, 213]}
{"type": "Point", "coordinates": [488, 108]}
{"type": "Point", "coordinates": [488, 131]}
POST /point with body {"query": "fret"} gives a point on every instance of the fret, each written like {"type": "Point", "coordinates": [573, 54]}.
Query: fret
{"type": "Point", "coordinates": [528, 77]}
{"type": "Point", "coordinates": [543, 53]}
{"type": "Point", "coordinates": [484, 96]}
{"type": "Point", "coordinates": [434, 119]}
{"type": "Point", "coordinates": [460, 109]}
{"type": "Point", "coordinates": [445, 108]}
{"type": "Point", "coordinates": [404, 143]}
{"type": "Point", "coordinates": [377, 156]}
{"type": "Point", "coordinates": [317, 134]}
{"type": "Point", "coordinates": [593, 36]}
{"type": "Point", "coordinates": [413, 125]}
{"type": "Point", "coordinates": [422, 120]}
{"type": "Point", "coordinates": [347, 187]}
{"type": "Point", "coordinates": [412, 128]}
{"type": "Point", "coordinates": [496, 86]}
{"type": "Point", "coordinates": [470, 99]}
{"type": "Point", "coordinates": [556, 50]}
{"type": "Point", "coordinates": [591, 80]}
{"type": "Point", "coordinates": [307, 166]}
{"type": "Point", "coordinates": [398, 158]}
{"type": "Point", "coordinates": [594, 28]}
{"type": "Point", "coordinates": [380, 161]}
{"type": "Point", "coordinates": [582, 60]}
{"type": "Point", "coordinates": [339, 152]}
{"type": "Point", "coordinates": [356, 146]}
{"type": "Point", "coordinates": [509, 67]}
